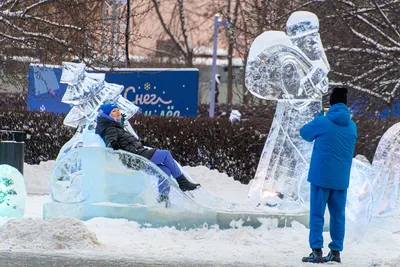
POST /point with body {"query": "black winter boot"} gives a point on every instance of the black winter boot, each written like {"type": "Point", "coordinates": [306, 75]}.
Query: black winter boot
{"type": "Point", "coordinates": [185, 185]}
{"type": "Point", "coordinates": [315, 256]}
{"type": "Point", "coordinates": [333, 256]}
{"type": "Point", "coordinates": [164, 198]}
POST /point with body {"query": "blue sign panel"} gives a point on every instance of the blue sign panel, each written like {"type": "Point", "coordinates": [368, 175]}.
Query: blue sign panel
{"type": "Point", "coordinates": [163, 92]}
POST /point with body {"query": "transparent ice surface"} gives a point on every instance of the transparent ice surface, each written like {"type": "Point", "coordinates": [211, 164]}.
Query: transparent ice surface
{"type": "Point", "coordinates": [281, 70]}
{"type": "Point", "coordinates": [286, 156]}
{"type": "Point", "coordinates": [281, 67]}
{"type": "Point", "coordinates": [293, 69]}
{"type": "Point", "coordinates": [12, 192]}
{"type": "Point", "coordinates": [386, 172]}
{"type": "Point", "coordinates": [72, 73]}
{"type": "Point", "coordinates": [302, 28]}
{"type": "Point", "coordinates": [127, 186]}
{"type": "Point", "coordinates": [90, 180]}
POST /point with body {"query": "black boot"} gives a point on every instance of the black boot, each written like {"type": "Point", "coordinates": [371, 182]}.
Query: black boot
{"type": "Point", "coordinates": [163, 198]}
{"type": "Point", "coordinates": [315, 256]}
{"type": "Point", "coordinates": [333, 256]}
{"type": "Point", "coordinates": [185, 185]}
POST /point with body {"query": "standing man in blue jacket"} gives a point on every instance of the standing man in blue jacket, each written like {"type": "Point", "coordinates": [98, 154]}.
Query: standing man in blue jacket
{"type": "Point", "coordinates": [334, 137]}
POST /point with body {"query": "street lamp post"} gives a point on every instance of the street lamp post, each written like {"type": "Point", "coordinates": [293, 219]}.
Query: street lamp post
{"type": "Point", "coordinates": [217, 22]}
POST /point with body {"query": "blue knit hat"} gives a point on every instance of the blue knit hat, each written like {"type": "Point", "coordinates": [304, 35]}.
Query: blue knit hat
{"type": "Point", "coordinates": [107, 108]}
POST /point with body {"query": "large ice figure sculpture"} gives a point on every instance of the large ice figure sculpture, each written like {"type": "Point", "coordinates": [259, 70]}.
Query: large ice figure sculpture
{"type": "Point", "coordinates": [295, 76]}
{"type": "Point", "coordinates": [385, 173]}
{"type": "Point", "coordinates": [292, 68]}
{"type": "Point", "coordinates": [12, 192]}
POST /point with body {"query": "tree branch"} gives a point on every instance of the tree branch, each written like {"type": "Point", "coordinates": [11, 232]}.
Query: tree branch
{"type": "Point", "coordinates": [386, 18]}
{"type": "Point", "coordinates": [35, 5]}
{"type": "Point", "coordinates": [359, 88]}
{"type": "Point", "coordinates": [189, 47]}
{"type": "Point", "coordinates": [168, 30]}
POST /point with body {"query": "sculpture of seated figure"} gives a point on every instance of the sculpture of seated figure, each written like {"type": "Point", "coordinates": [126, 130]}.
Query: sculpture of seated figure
{"type": "Point", "coordinates": [110, 128]}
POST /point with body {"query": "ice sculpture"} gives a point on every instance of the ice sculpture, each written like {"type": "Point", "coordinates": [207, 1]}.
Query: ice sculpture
{"type": "Point", "coordinates": [291, 69]}
{"type": "Point", "coordinates": [386, 171]}
{"type": "Point", "coordinates": [90, 180]}
{"type": "Point", "coordinates": [12, 192]}
{"type": "Point", "coordinates": [86, 91]}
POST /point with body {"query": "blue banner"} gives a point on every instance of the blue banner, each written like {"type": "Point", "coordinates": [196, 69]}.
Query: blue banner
{"type": "Point", "coordinates": [162, 92]}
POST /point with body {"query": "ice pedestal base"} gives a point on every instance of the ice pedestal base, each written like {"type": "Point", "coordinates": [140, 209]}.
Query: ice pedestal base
{"type": "Point", "coordinates": [225, 219]}
{"type": "Point", "coordinates": [159, 216]}
{"type": "Point", "coordinates": [150, 216]}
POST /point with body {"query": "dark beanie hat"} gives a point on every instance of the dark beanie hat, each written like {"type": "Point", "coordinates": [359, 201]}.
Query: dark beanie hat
{"type": "Point", "coordinates": [107, 108]}
{"type": "Point", "coordinates": [339, 95]}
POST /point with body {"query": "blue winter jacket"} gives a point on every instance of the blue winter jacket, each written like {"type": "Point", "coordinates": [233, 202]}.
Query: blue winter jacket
{"type": "Point", "coordinates": [335, 137]}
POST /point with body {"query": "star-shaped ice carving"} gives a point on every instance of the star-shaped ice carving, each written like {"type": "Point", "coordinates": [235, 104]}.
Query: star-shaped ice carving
{"type": "Point", "coordinates": [87, 91]}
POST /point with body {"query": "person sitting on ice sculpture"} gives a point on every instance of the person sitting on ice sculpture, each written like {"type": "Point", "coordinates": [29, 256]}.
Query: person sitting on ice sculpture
{"type": "Point", "coordinates": [334, 137]}
{"type": "Point", "coordinates": [110, 128]}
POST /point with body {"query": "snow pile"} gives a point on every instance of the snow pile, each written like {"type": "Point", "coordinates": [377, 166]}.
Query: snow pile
{"type": "Point", "coordinates": [55, 234]}
{"type": "Point", "coordinates": [37, 177]}
{"type": "Point", "coordinates": [219, 183]}
{"type": "Point", "coordinates": [267, 245]}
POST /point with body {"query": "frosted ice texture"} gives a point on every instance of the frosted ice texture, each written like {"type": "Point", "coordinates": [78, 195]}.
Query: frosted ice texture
{"type": "Point", "coordinates": [72, 72]}
{"type": "Point", "coordinates": [293, 69]}
{"type": "Point", "coordinates": [86, 92]}
{"type": "Point", "coordinates": [282, 68]}
{"type": "Point", "coordinates": [12, 192]}
{"type": "Point", "coordinates": [359, 203]}
{"type": "Point", "coordinates": [90, 180]}
{"type": "Point", "coordinates": [286, 156]}
{"type": "Point", "coordinates": [302, 28]}
{"type": "Point", "coordinates": [386, 171]}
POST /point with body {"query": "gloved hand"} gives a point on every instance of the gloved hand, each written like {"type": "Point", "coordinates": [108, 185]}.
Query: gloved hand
{"type": "Point", "coordinates": [115, 145]}
{"type": "Point", "coordinates": [123, 118]}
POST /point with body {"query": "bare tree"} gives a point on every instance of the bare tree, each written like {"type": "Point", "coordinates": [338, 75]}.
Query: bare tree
{"type": "Point", "coordinates": [46, 31]}
{"type": "Point", "coordinates": [180, 33]}
{"type": "Point", "coordinates": [362, 40]}
{"type": "Point", "coordinates": [230, 9]}
{"type": "Point", "coordinates": [250, 18]}
{"type": "Point", "coordinates": [52, 31]}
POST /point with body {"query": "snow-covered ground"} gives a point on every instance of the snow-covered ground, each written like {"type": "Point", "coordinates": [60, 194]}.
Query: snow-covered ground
{"type": "Point", "coordinates": [243, 246]}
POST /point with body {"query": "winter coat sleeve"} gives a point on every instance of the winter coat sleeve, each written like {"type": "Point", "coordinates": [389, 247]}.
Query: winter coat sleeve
{"type": "Point", "coordinates": [110, 135]}
{"type": "Point", "coordinates": [312, 129]}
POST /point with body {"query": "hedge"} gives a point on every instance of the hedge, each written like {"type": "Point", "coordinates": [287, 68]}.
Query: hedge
{"type": "Point", "coordinates": [233, 148]}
